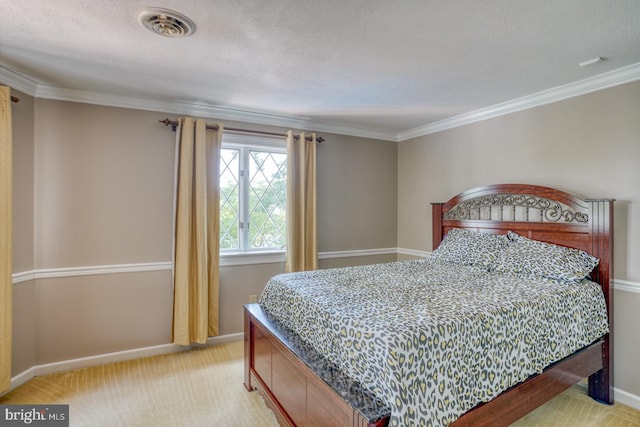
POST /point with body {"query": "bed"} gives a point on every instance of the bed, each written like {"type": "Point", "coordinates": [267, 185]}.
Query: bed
{"type": "Point", "coordinates": [457, 364]}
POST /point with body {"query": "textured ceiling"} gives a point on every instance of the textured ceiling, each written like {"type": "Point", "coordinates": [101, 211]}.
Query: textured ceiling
{"type": "Point", "coordinates": [377, 65]}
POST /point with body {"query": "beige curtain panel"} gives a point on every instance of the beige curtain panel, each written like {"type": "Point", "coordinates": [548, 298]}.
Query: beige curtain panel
{"type": "Point", "coordinates": [197, 217]}
{"type": "Point", "coordinates": [6, 285]}
{"type": "Point", "coordinates": [302, 245]}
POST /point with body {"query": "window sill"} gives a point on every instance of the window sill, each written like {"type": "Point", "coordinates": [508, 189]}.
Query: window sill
{"type": "Point", "coordinates": [246, 258]}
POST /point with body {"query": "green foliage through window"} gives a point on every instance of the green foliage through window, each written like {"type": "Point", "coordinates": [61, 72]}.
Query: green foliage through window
{"type": "Point", "coordinates": [253, 185]}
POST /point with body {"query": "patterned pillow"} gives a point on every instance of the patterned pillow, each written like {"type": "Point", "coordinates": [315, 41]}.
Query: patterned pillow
{"type": "Point", "coordinates": [532, 258]}
{"type": "Point", "coordinates": [466, 247]}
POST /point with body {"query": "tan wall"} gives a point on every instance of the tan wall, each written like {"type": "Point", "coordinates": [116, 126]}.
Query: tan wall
{"type": "Point", "coordinates": [237, 284]}
{"type": "Point", "coordinates": [23, 351]}
{"type": "Point", "coordinates": [23, 185]}
{"type": "Point", "coordinates": [588, 145]}
{"type": "Point", "coordinates": [102, 181]}
{"type": "Point", "coordinates": [357, 194]}
{"type": "Point", "coordinates": [89, 315]}
{"type": "Point", "coordinates": [626, 345]}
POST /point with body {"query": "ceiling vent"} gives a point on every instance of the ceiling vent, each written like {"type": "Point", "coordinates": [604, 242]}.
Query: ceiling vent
{"type": "Point", "coordinates": [165, 22]}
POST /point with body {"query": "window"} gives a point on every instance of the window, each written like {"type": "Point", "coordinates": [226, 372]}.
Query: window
{"type": "Point", "coordinates": [253, 188]}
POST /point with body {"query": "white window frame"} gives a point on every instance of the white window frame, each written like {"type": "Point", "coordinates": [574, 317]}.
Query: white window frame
{"type": "Point", "coordinates": [245, 143]}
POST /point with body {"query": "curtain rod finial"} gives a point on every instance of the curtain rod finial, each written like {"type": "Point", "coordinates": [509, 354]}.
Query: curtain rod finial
{"type": "Point", "coordinates": [171, 123]}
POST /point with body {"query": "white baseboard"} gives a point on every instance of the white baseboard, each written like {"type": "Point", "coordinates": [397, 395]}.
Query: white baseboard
{"type": "Point", "coordinates": [620, 396]}
{"type": "Point", "coordinates": [119, 356]}
{"type": "Point", "coordinates": [626, 398]}
{"type": "Point", "coordinates": [413, 252]}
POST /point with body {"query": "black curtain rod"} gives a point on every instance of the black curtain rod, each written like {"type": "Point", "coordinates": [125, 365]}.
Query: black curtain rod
{"type": "Point", "coordinates": [174, 125]}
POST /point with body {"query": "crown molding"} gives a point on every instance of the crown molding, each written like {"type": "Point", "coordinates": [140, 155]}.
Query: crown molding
{"type": "Point", "coordinates": [559, 93]}
{"type": "Point", "coordinates": [44, 91]}
{"type": "Point", "coordinates": [592, 84]}
{"type": "Point", "coordinates": [173, 107]}
{"type": "Point", "coordinates": [18, 81]}
{"type": "Point", "coordinates": [204, 110]}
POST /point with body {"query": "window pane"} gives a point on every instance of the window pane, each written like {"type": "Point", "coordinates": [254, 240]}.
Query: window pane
{"type": "Point", "coordinates": [229, 198]}
{"type": "Point", "coordinates": [267, 199]}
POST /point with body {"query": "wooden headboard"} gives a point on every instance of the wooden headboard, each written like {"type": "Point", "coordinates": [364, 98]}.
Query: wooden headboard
{"type": "Point", "coordinates": [539, 213]}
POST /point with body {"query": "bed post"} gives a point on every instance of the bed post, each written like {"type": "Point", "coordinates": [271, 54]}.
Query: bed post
{"type": "Point", "coordinates": [436, 209]}
{"type": "Point", "coordinates": [248, 350]}
{"type": "Point", "coordinates": [601, 383]}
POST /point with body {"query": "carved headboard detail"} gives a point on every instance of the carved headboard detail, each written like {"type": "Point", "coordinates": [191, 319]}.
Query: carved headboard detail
{"type": "Point", "coordinates": [541, 213]}
{"type": "Point", "coordinates": [517, 207]}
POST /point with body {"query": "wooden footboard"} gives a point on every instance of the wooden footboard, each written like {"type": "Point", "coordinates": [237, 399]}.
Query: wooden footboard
{"type": "Point", "coordinates": [523, 398]}
{"type": "Point", "coordinates": [299, 386]}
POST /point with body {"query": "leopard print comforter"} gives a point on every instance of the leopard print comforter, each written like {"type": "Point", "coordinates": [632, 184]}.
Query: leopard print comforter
{"type": "Point", "coordinates": [434, 339]}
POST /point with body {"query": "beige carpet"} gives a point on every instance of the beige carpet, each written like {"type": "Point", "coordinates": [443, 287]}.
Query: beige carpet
{"type": "Point", "coordinates": [203, 387]}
